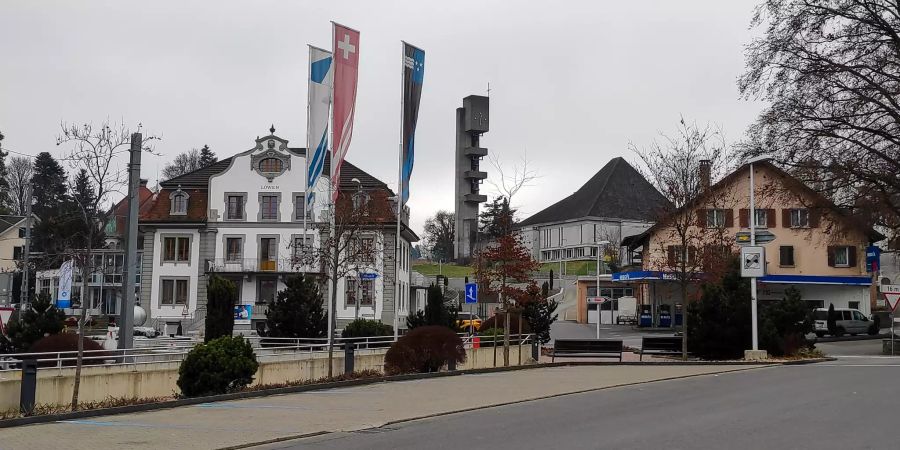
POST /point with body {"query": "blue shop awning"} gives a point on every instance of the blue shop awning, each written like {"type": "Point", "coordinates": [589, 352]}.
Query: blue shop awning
{"type": "Point", "coordinates": [817, 279]}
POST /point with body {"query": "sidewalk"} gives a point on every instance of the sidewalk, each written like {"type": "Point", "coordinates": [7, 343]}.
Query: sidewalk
{"type": "Point", "coordinates": [266, 419]}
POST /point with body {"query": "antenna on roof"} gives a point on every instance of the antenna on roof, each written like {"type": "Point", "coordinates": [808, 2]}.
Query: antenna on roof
{"type": "Point", "coordinates": [272, 129]}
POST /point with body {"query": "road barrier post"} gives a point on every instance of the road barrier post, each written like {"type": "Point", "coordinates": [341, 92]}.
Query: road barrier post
{"type": "Point", "coordinates": [28, 391]}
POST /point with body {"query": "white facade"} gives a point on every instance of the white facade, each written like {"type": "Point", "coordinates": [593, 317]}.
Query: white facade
{"type": "Point", "coordinates": [247, 233]}
{"type": "Point", "coordinates": [576, 240]}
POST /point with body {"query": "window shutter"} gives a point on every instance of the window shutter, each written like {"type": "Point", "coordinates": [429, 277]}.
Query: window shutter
{"type": "Point", "coordinates": [744, 218]}
{"type": "Point", "coordinates": [701, 218]}
{"type": "Point", "coordinates": [814, 218]}
{"type": "Point", "coordinates": [671, 256]}
{"type": "Point", "coordinates": [851, 256]}
{"type": "Point", "coordinates": [770, 218]}
{"type": "Point", "coordinates": [785, 218]}
{"type": "Point", "coordinates": [729, 218]}
{"type": "Point", "coordinates": [830, 256]}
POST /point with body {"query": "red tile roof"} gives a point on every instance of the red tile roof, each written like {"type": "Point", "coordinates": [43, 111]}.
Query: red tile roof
{"type": "Point", "coordinates": [159, 206]}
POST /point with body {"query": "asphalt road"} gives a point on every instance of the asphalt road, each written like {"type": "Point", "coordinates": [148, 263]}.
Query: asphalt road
{"type": "Point", "coordinates": [841, 405]}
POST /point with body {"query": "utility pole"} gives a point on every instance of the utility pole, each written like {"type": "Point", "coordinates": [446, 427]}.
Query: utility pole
{"type": "Point", "coordinates": [126, 323]}
{"type": "Point", "coordinates": [26, 250]}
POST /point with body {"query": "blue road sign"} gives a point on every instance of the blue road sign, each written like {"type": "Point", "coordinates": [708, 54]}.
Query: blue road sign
{"type": "Point", "coordinates": [368, 276]}
{"type": "Point", "coordinates": [471, 293]}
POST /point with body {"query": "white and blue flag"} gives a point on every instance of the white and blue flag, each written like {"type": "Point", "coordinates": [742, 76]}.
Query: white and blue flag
{"type": "Point", "coordinates": [320, 82]}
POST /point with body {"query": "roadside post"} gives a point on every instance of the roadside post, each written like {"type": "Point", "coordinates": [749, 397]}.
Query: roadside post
{"type": "Point", "coordinates": [28, 387]}
{"type": "Point", "coordinates": [597, 301]}
{"type": "Point", "coordinates": [892, 295]}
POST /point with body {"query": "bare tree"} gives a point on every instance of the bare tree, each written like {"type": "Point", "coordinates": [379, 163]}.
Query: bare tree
{"type": "Point", "coordinates": [19, 172]}
{"type": "Point", "coordinates": [831, 72]}
{"type": "Point", "coordinates": [360, 220]}
{"type": "Point", "coordinates": [95, 153]}
{"type": "Point", "coordinates": [676, 166]}
{"type": "Point", "coordinates": [183, 163]}
{"type": "Point", "coordinates": [511, 179]}
{"type": "Point", "coordinates": [440, 230]}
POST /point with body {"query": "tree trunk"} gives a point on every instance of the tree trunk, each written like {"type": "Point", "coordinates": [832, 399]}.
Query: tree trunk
{"type": "Point", "coordinates": [331, 318]}
{"type": "Point", "coordinates": [505, 323]}
{"type": "Point", "coordinates": [84, 305]}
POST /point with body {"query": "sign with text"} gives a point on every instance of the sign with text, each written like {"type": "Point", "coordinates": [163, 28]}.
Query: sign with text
{"type": "Point", "coordinates": [597, 300]}
{"type": "Point", "coordinates": [891, 294]}
{"type": "Point", "coordinates": [753, 261]}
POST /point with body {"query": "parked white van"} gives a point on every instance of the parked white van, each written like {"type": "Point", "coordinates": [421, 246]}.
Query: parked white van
{"type": "Point", "coordinates": [849, 321]}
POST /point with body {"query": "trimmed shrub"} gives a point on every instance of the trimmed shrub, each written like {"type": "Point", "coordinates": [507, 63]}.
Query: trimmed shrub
{"type": "Point", "coordinates": [424, 349]}
{"type": "Point", "coordinates": [221, 294]}
{"type": "Point", "coordinates": [68, 344]}
{"type": "Point", "coordinates": [436, 312]}
{"type": "Point", "coordinates": [367, 327]}
{"type": "Point", "coordinates": [225, 364]}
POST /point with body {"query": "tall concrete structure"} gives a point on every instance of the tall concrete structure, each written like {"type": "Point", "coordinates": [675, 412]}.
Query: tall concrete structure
{"type": "Point", "coordinates": [472, 120]}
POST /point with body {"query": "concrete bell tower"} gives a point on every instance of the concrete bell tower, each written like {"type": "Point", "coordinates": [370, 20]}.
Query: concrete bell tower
{"type": "Point", "coordinates": [472, 120]}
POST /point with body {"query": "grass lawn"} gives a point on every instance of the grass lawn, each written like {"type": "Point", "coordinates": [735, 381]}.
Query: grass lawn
{"type": "Point", "coordinates": [450, 270]}
{"type": "Point", "coordinates": [572, 268]}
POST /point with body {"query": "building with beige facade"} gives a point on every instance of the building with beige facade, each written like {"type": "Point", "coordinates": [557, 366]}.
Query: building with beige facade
{"type": "Point", "coordinates": [817, 247]}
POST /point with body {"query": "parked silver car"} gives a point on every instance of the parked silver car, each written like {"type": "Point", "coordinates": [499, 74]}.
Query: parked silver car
{"type": "Point", "coordinates": [849, 321]}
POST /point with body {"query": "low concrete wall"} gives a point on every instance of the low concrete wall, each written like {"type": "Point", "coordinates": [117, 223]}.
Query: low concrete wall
{"type": "Point", "coordinates": [159, 379]}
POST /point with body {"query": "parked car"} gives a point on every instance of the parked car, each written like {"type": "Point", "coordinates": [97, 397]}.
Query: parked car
{"type": "Point", "coordinates": [466, 319]}
{"type": "Point", "coordinates": [849, 321]}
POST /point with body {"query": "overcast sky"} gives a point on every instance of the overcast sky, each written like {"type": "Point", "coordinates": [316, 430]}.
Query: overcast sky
{"type": "Point", "coordinates": [571, 84]}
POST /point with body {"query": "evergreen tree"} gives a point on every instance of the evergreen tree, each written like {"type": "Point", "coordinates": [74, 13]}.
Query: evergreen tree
{"type": "Point", "coordinates": [719, 323]}
{"type": "Point", "coordinates": [84, 194]}
{"type": "Point", "coordinates": [207, 157]}
{"type": "Point", "coordinates": [220, 298]}
{"type": "Point", "coordinates": [298, 311]}
{"type": "Point", "coordinates": [497, 218]}
{"type": "Point", "coordinates": [31, 325]}
{"type": "Point", "coordinates": [48, 184]}
{"type": "Point", "coordinates": [436, 311]}
{"type": "Point", "coordinates": [5, 206]}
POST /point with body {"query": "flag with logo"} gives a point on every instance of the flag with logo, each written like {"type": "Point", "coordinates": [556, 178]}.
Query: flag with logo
{"type": "Point", "coordinates": [346, 65]}
{"type": "Point", "coordinates": [64, 292]}
{"type": "Point", "coordinates": [319, 102]}
{"type": "Point", "coordinates": [413, 75]}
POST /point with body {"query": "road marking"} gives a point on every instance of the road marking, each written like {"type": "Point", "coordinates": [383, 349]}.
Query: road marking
{"type": "Point", "coordinates": [861, 365]}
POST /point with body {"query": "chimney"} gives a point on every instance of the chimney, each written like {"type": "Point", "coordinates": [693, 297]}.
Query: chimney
{"type": "Point", "coordinates": [705, 174]}
{"type": "Point", "coordinates": [144, 182]}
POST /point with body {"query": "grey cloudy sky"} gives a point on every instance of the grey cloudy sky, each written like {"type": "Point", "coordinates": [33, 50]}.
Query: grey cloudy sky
{"type": "Point", "coordinates": [571, 82]}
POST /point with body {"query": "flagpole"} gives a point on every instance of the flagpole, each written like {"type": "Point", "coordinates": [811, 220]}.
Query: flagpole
{"type": "Point", "coordinates": [306, 157]}
{"type": "Point", "coordinates": [333, 285]}
{"type": "Point", "coordinates": [399, 197]}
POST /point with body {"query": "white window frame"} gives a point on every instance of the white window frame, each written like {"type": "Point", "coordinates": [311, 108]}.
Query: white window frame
{"type": "Point", "coordinates": [715, 218]}
{"type": "Point", "coordinates": [842, 250]}
{"type": "Point", "coordinates": [175, 282]}
{"type": "Point", "coordinates": [761, 213]}
{"type": "Point", "coordinates": [799, 218]}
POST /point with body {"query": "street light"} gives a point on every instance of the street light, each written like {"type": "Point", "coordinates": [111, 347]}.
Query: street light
{"type": "Point", "coordinates": [753, 300]}
{"type": "Point", "coordinates": [597, 293]}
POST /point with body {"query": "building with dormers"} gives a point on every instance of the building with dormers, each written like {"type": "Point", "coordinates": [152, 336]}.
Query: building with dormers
{"type": "Point", "coordinates": [243, 218]}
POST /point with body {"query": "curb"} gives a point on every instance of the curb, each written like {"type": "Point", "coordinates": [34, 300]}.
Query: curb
{"type": "Point", "coordinates": [32, 420]}
{"type": "Point", "coordinates": [862, 337]}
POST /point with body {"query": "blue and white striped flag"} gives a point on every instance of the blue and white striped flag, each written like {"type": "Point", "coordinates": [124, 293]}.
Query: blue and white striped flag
{"type": "Point", "coordinates": [320, 81]}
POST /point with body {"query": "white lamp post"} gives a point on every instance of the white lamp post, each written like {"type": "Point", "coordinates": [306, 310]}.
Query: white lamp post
{"type": "Point", "coordinates": [753, 300]}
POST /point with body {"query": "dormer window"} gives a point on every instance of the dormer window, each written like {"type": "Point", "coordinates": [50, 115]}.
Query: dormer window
{"type": "Point", "coordinates": [179, 202]}
{"type": "Point", "coordinates": [271, 166]}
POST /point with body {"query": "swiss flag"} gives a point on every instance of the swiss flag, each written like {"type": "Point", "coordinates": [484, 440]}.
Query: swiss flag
{"type": "Point", "coordinates": [346, 64]}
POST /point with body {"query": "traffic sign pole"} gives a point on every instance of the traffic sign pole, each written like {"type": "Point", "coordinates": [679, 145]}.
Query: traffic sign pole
{"type": "Point", "coordinates": [892, 296]}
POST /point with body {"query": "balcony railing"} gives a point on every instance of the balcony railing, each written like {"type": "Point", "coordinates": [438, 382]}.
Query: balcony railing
{"type": "Point", "coordinates": [257, 265]}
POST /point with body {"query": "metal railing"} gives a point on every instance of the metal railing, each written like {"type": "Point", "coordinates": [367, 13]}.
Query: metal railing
{"type": "Point", "coordinates": [241, 265]}
{"type": "Point", "coordinates": [175, 350]}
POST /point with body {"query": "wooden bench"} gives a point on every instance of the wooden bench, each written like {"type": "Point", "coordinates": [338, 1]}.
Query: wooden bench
{"type": "Point", "coordinates": [597, 348]}
{"type": "Point", "coordinates": [660, 345]}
